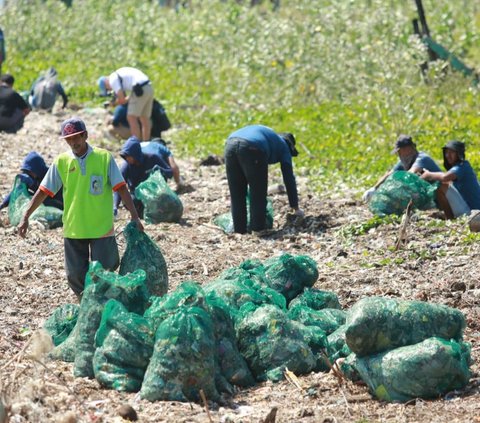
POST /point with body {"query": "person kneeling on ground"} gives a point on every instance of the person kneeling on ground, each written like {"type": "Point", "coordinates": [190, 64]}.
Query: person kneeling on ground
{"type": "Point", "coordinates": [32, 171]}
{"type": "Point", "coordinates": [459, 192]}
{"type": "Point", "coordinates": [410, 160]}
{"type": "Point", "coordinates": [13, 107]}
{"type": "Point", "coordinates": [44, 91]}
{"type": "Point", "coordinates": [248, 152]}
{"type": "Point", "coordinates": [136, 169]}
{"type": "Point", "coordinates": [87, 176]}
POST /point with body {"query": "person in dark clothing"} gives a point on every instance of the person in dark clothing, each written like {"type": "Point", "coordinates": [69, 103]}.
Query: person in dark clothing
{"type": "Point", "coordinates": [248, 152]}
{"type": "Point", "coordinates": [136, 169]}
{"type": "Point", "coordinates": [13, 107]}
{"type": "Point", "coordinates": [33, 170]}
{"type": "Point", "coordinates": [45, 89]}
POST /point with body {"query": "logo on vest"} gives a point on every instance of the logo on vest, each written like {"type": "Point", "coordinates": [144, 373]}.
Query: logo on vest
{"type": "Point", "coordinates": [72, 169]}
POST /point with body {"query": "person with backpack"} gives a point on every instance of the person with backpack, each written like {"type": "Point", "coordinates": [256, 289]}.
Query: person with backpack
{"type": "Point", "coordinates": [118, 126]}
{"type": "Point", "coordinates": [136, 169]}
{"type": "Point", "coordinates": [131, 86]}
{"type": "Point", "coordinates": [44, 91]}
{"type": "Point", "coordinates": [248, 152]}
{"type": "Point", "coordinates": [13, 108]}
{"type": "Point", "coordinates": [459, 192]}
{"type": "Point", "coordinates": [32, 171]}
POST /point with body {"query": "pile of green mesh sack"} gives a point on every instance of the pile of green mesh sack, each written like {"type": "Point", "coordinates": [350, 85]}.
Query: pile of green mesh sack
{"type": "Point", "coordinates": [404, 349]}
{"type": "Point", "coordinates": [161, 203]}
{"type": "Point", "coordinates": [393, 196]}
{"type": "Point", "coordinates": [50, 217]}
{"type": "Point", "coordinates": [225, 220]}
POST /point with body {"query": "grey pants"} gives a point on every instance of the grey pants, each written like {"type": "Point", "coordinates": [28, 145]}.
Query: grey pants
{"type": "Point", "coordinates": [78, 253]}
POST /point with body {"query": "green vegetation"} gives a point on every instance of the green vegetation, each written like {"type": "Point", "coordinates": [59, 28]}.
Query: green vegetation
{"type": "Point", "coordinates": [342, 75]}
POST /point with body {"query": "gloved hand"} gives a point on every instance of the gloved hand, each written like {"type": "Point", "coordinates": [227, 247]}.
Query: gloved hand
{"type": "Point", "coordinates": [368, 194]}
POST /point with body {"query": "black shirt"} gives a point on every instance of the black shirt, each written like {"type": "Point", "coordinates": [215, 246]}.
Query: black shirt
{"type": "Point", "coordinates": [10, 101]}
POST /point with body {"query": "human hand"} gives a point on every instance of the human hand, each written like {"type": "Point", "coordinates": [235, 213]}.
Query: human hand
{"type": "Point", "coordinates": [425, 174]}
{"type": "Point", "coordinates": [368, 194]}
{"type": "Point", "coordinates": [23, 227]}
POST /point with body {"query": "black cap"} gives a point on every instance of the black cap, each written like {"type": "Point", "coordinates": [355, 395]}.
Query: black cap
{"type": "Point", "coordinates": [290, 140]}
{"type": "Point", "coordinates": [457, 146]}
{"type": "Point", "coordinates": [403, 141]}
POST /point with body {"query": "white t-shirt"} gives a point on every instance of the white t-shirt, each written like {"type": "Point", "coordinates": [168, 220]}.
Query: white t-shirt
{"type": "Point", "coordinates": [129, 77]}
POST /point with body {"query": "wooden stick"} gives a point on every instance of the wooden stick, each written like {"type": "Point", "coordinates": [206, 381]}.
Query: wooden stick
{"type": "Point", "coordinates": [204, 399]}
{"type": "Point", "coordinates": [402, 232]}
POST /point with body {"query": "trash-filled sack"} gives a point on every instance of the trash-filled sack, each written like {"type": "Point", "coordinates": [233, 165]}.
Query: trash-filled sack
{"type": "Point", "coordinates": [336, 345]}
{"type": "Point", "coordinates": [316, 299]}
{"type": "Point", "coordinates": [161, 203]}
{"type": "Point", "coordinates": [188, 293]}
{"type": "Point", "coordinates": [240, 291]}
{"type": "Point", "coordinates": [289, 275]}
{"type": "Point", "coordinates": [49, 216]}
{"type": "Point", "coordinates": [426, 370]}
{"type": "Point", "coordinates": [143, 253]}
{"type": "Point", "coordinates": [100, 286]}
{"type": "Point", "coordinates": [232, 365]}
{"type": "Point", "coordinates": [225, 220]}
{"type": "Point", "coordinates": [61, 323]}
{"type": "Point", "coordinates": [393, 196]}
{"type": "Point", "coordinates": [327, 320]}
{"type": "Point", "coordinates": [66, 350]}
{"type": "Point", "coordinates": [124, 344]}
{"type": "Point", "coordinates": [269, 341]}
{"type": "Point", "coordinates": [378, 324]}
{"type": "Point", "coordinates": [183, 361]}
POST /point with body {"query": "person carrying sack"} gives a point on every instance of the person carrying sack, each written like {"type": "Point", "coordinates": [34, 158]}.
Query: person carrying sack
{"type": "Point", "coordinates": [131, 86]}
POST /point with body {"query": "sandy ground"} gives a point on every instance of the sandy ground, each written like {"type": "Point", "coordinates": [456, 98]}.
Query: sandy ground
{"type": "Point", "coordinates": [437, 263]}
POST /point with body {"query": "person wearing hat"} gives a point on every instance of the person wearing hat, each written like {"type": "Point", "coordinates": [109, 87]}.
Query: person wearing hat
{"type": "Point", "coordinates": [32, 171]}
{"type": "Point", "coordinates": [136, 169]}
{"type": "Point", "coordinates": [410, 160]}
{"type": "Point", "coordinates": [87, 176]}
{"type": "Point", "coordinates": [248, 152]}
{"type": "Point", "coordinates": [139, 98]}
{"type": "Point", "coordinates": [459, 192]}
{"type": "Point", "coordinates": [13, 108]}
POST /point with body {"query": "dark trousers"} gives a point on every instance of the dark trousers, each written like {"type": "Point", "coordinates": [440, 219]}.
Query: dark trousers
{"type": "Point", "coordinates": [78, 253]}
{"type": "Point", "coordinates": [247, 166]}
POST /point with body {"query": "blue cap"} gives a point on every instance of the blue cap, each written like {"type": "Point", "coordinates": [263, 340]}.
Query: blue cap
{"type": "Point", "coordinates": [73, 126]}
{"type": "Point", "coordinates": [102, 85]}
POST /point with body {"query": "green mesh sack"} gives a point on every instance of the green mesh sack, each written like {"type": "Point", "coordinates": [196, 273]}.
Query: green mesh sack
{"type": "Point", "coordinates": [124, 344]}
{"type": "Point", "coordinates": [231, 363]}
{"type": "Point", "coordinates": [393, 196]}
{"type": "Point", "coordinates": [101, 286]}
{"type": "Point", "coordinates": [225, 220]}
{"type": "Point", "coordinates": [61, 323]}
{"type": "Point", "coordinates": [50, 217]}
{"type": "Point", "coordinates": [183, 360]}
{"type": "Point", "coordinates": [336, 345]}
{"type": "Point", "coordinates": [378, 324]}
{"type": "Point", "coordinates": [188, 293]}
{"type": "Point", "coordinates": [316, 299]}
{"type": "Point", "coordinates": [161, 203]}
{"type": "Point", "coordinates": [426, 370]}
{"type": "Point", "coordinates": [269, 341]}
{"type": "Point", "coordinates": [66, 350]}
{"type": "Point", "coordinates": [327, 320]}
{"type": "Point", "coordinates": [143, 253]}
{"type": "Point", "coordinates": [289, 274]}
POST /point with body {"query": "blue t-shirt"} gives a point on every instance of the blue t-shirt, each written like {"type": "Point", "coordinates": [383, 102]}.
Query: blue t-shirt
{"type": "Point", "coordinates": [267, 140]}
{"type": "Point", "coordinates": [467, 183]}
{"type": "Point", "coordinates": [423, 161]}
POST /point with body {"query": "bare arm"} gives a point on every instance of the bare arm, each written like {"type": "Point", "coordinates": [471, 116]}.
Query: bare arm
{"type": "Point", "coordinates": [128, 202]}
{"type": "Point", "coordinates": [175, 170]}
{"type": "Point", "coordinates": [121, 98]}
{"type": "Point", "coordinates": [36, 200]}
{"type": "Point", "coordinates": [443, 177]}
{"type": "Point", "coordinates": [382, 179]}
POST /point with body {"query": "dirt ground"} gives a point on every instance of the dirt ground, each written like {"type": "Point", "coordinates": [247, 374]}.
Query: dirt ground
{"type": "Point", "coordinates": [437, 263]}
